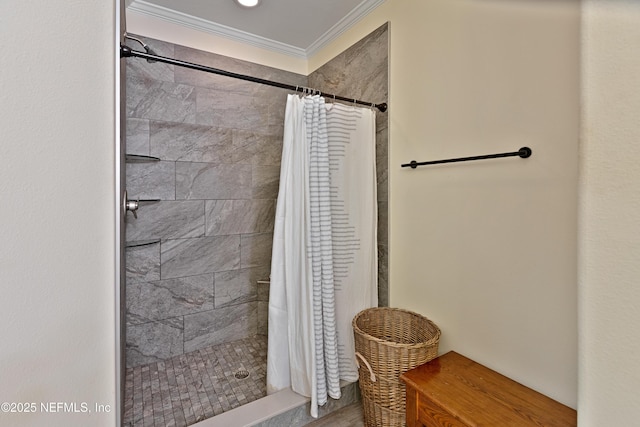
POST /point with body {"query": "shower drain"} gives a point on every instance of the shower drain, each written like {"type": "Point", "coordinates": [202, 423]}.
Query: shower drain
{"type": "Point", "coordinates": [241, 374]}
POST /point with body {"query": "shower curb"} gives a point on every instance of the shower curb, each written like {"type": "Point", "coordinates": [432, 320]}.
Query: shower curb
{"type": "Point", "coordinates": [282, 408]}
{"type": "Point", "coordinates": [300, 416]}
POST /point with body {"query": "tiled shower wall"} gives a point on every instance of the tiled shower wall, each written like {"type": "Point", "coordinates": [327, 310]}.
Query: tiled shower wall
{"type": "Point", "coordinates": [219, 141]}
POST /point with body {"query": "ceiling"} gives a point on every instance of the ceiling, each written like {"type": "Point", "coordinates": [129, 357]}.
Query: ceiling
{"type": "Point", "coordinates": [294, 27]}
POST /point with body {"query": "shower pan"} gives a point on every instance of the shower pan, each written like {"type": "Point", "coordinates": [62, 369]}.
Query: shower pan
{"type": "Point", "coordinates": [195, 386]}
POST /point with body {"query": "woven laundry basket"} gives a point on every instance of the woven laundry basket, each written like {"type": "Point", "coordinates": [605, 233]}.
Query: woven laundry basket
{"type": "Point", "coordinates": [389, 342]}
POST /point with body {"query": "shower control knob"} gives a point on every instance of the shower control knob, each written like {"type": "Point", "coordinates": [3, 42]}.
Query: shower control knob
{"type": "Point", "coordinates": [132, 206]}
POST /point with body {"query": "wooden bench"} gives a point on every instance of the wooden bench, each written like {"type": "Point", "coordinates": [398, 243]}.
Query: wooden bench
{"type": "Point", "coordinates": [455, 391]}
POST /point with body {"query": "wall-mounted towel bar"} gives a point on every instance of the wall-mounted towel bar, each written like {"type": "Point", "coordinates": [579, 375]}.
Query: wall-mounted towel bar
{"type": "Point", "coordinates": [524, 152]}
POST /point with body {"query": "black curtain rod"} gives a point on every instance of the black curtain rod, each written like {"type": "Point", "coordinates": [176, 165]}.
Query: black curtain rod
{"type": "Point", "coordinates": [524, 152]}
{"type": "Point", "coordinates": [126, 51]}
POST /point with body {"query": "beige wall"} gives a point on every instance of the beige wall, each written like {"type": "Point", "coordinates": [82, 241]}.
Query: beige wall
{"type": "Point", "coordinates": [609, 294]}
{"type": "Point", "coordinates": [57, 216]}
{"type": "Point", "coordinates": [486, 249]}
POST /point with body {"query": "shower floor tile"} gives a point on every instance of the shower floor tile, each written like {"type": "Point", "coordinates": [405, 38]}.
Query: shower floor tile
{"type": "Point", "coordinates": [194, 386]}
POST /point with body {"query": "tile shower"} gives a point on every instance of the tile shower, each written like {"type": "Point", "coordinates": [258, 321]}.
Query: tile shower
{"type": "Point", "coordinates": [202, 237]}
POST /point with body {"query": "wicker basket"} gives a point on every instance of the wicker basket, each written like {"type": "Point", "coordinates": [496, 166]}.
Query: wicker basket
{"type": "Point", "coordinates": [377, 416]}
{"type": "Point", "coordinates": [389, 342]}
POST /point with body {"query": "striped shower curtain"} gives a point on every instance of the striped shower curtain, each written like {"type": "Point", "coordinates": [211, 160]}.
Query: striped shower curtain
{"type": "Point", "coordinates": [324, 262]}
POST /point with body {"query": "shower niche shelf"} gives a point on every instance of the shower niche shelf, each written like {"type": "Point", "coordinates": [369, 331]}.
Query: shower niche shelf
{"type": "Point", "coordinates": [138, 243]}
{"type": "Point", "coordinates": [138, 158]}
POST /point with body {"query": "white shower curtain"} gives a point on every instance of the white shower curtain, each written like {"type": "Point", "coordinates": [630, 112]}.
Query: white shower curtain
{"type": "Point", "coordinates": [324, 263]}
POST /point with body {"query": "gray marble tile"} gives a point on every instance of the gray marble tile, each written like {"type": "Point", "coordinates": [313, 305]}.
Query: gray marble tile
{"type": "Point", "coordinates": [157, 100]}
{"type": "Point", "coordinates": [383, 276]}
{"type": "Point", "coordinates": [190, 143]}
{"type": "Point", "coordinates": [239, 216]}
{"type": "Point", "coordinates": [167, 220]}
{"type": "Point", "coordinates": [230, 110]}
{"type": "Point", "coordinates": [382, 165]}
{"type": "Point", "coordinates": [233, 65]}
{"type": "Point", "coordinates": [165, 299]}
{"type": "Point", "coordinates": [263, 318]}
{"type": "Point", "coordinates": [142, 263]}
{"type": "Point", "coordinates": [213, 81]}
{"type": "Point", "coordinates": [373, 87]}
{"type": "Point", "coordinates": [137, 136]}
{"type": "Point", "coordinates": [219, 325]}
{"type": "Point", "coordinates": [238, 286]}
{"type": "Point", "coordinates": [369, 51]}
{"type": "Point", "coordinates": [383, 223]}
{"type": "Point", "coordinates": [255, 250]}
{"type": "Point", "coordinates": [154, 341]}
{"type": "Point", "coordinates": [201, 380]}
{"type": "Point", "coordinates": [257, 148]}
{"type": "Point", "coordinates": [266, 182]}
{"type": "Point", "coordinates": [152, 180]}
{"type": "Point", "coordinates": [212, 181]}
{"type": "Point", "coordinates": [263, 288]}
{"type": "Point", "coordinates": [331, 77]}
{"type": "Point", "coordinates": [360, 72]}
{"type": "Point", "coordinates": [275, 102]}
{"type": "Point", "coordinates": [190, 257]}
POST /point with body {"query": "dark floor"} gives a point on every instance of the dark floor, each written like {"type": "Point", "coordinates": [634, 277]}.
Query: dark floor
{"type": "Point", "coordinates": [195, 386]}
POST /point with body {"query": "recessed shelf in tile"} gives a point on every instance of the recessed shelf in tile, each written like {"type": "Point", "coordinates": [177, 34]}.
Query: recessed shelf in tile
{"type": "Point", "coordinates": [137, 243]}
{"type": "Point", "coordinates": [138, 158]}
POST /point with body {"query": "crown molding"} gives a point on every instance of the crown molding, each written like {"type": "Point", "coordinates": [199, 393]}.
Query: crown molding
{"type": "Point", "coordinates": [360, 11]}
{"type": "Point", "coordinates": [203, 25]}
{"type": "Point", "coordinates": [199, 24]}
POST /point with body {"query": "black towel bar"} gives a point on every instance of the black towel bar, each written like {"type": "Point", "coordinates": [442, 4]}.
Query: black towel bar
{"type": "Point", "coordinates": [524, 152]}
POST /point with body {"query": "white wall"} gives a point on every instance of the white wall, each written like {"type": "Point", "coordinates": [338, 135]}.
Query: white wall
{"type": "Point", "coordinates": [488, 250]}
{"type": "Point", "coordinates": [609, 270]}
{"type": "Point", "coordinates": [57, 203]}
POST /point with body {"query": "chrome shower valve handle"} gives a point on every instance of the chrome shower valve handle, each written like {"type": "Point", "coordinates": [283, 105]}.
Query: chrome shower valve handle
{"type": "Point", "coordinates": [131, 205]}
